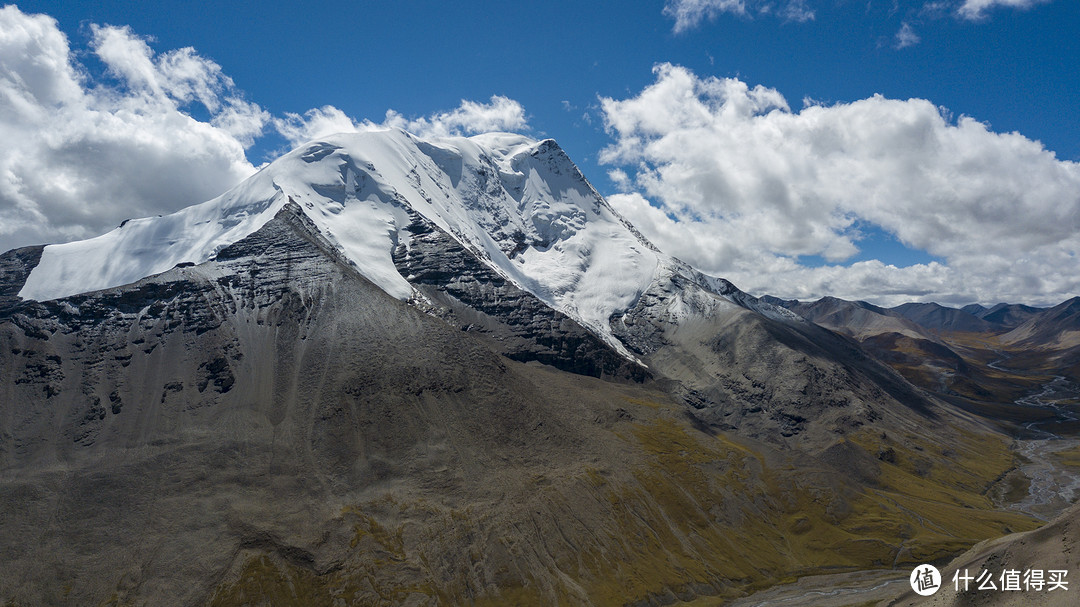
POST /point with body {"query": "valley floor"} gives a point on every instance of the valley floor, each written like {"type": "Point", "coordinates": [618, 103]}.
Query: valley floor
{"type": "Point", "coordinates": [1044, 485]}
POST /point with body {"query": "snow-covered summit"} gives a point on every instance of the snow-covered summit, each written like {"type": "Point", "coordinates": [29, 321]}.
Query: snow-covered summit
{"type": "Point", "coordinates": [520, 205]}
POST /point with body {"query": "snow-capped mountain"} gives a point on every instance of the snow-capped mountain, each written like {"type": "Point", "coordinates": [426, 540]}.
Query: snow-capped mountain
{"type": "Point", "coordinates": [520, 206]}
{"type": "Point", "coordinates": [340, 356]}
{"type": "Point", "coordinates": [497, 234]}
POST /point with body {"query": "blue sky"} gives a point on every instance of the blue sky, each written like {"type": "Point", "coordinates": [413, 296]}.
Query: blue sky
{"type": "Point", "coordinates": [1015, 69]}
{"type": "Point", "coordinates": [1011, 65]}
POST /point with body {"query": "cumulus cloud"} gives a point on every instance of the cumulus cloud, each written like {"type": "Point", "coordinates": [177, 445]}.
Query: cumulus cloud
{"type": "Point", "coordinates": [500, 114]}
{"type": "Point", "coordinates": [315, 123]}
{"type": "Point", "coordinates": [977, 9]}
{"type": "Point", "coordinates": [689, 14]}
{"type": "Point", "coordinates": [729, 178]}
{"type": "Point", "coordinates": [906, 36]}
{"type": "Point", "coordinates": [79, 155]}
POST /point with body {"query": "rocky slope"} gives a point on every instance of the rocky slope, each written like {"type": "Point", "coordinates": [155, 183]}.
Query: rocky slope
{"type": "Point", "coordinates": [1006, 315]}
{"type": "Point", "coordinates": [1056, 328]}
{"type": "Point", "coordinates": [936, 317]}
{"type": "Point", "coordinates": [339, 388]}
{"type": "Point", "coordinates": [1044, 549]}
{"type": "Point", "coordinates": [983, 360]}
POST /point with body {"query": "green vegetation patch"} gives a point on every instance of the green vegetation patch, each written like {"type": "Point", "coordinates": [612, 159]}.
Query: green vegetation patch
{"type": "Point", "coordinates": [1069, 457]}
{"type": "Point", "coordinates": [689, 515]}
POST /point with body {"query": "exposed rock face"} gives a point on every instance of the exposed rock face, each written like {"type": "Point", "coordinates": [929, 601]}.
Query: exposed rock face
{"type": "Point", "coordinates": [15, 266]}
{"type": "Point", "coordinates": [1055, 328]}
{"type": "Point", "coordinates": [771, 376]}
{"type": "Point", "coordinates": [471, 295]}
{"type": "Point", "coordinates": [233, 407]}
{"type": "Point", "coordinates": [354, 412]}
{"type": "Point", "coordinates": [270, 426]}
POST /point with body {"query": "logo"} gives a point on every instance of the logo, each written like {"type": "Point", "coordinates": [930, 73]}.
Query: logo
{"type": "Point", "coordinates": [925, 580]}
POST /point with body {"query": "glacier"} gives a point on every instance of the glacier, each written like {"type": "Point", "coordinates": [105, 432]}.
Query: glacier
{"type": "Point", "coordinates": [518, 204]}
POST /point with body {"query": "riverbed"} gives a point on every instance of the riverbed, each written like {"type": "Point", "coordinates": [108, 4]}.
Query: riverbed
{"type": "Point", "coordinates": [834, 590]}
{"type": "Point", "coordinates": [1054, 486]}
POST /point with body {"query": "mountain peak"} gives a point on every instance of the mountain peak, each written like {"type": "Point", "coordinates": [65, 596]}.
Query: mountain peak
{"type": "Point", "coordinates": [520, 205]}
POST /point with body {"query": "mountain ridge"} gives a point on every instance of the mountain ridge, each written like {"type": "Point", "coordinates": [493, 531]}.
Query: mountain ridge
{"type": "Point", "coordinates": [272, 425]}
{"type": "Point", "coordinates": [415, 380]}
{"type": "Point", "coordinates": [520, 206]}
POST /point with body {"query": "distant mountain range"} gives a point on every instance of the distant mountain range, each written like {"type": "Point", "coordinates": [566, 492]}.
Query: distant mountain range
{"type": "Point", "coordinates": [930, 316]}
{"type": "Point", "coordinates": [1053, 328]}
{"type": "Point", "coordinates": [953, 352]}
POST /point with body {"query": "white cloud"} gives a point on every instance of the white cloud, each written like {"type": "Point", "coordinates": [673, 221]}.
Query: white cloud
{"type": "Point", "coordinates": [741, 186]}
{"type": "Point", "coordinates": [689, 14]}
{"type": "Point", "coordinates": [315, 123]}
{"type": "Point", "coordinates": [976, 9]}
{"type": "Point", "coordinates": [906, 36]}
{"type": "Point", "coordinates": [935, 9]}
{"type": "Point", "coordinates": [797, 10]}
{"type": "Point", "coordinates": [79, 156]}
{"type": "Point", "coordinates": [500, 114]}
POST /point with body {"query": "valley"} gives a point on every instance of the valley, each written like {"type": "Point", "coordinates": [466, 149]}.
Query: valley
{"type": "Point", "coordinates": [394, 371]}
{"type": "Point", "coordinates": [1043, 484]}
{"type": "Point", "coordinates": [684, 303]}
{"type": "Point", "coordinates": [1041, 418]}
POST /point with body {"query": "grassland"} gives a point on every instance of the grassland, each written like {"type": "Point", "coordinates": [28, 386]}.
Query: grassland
{"type": "Point", "coordinates": [693, 517]}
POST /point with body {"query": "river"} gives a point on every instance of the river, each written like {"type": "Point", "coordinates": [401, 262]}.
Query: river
{"type": "Point", "coordinates": [1053, 488]}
